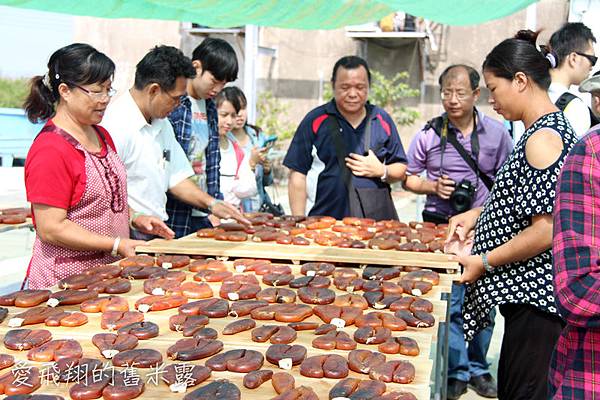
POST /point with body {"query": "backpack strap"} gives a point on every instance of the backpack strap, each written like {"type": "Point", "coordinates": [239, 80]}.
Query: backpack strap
{"type": "Point", "coordinates": [563, 101]}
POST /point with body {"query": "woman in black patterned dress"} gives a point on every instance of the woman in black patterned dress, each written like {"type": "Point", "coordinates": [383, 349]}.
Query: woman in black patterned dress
{"type": "Point", "coordinates": [511, 261]}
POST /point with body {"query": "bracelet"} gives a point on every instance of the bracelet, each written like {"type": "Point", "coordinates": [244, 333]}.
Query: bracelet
{"type": "Point", "coordinates": [213, 203]}
{"type": "Point", "coordinates": [115, 248]}
{"type": "Point", "coordinates": [133, 216]}
{"type": "Point", "coordinates": [486, 264]}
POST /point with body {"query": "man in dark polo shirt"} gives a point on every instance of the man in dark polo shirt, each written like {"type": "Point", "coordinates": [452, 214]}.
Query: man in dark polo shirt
{"type": "Point", "coordinates": [316, 182]}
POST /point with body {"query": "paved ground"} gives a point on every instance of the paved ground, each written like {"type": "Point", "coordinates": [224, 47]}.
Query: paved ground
{"type": "Point", "coordinates": [15, 246]}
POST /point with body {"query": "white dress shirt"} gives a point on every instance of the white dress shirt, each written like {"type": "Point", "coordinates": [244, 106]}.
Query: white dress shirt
{"type": "Point", "coordinates": [154, 160]}
{"type": "Point", "coordinates": [577, 113]}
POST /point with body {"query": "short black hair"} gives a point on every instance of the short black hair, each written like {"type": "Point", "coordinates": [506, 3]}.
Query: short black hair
{"type": "Point", "coordinates": [218, 57]}
{"type": "Point", "coordinates": [519, 54]}
{"type": "Point", "coordinates": [472, 72]}
{"type": "Point", "coordinates": [571, 37]}
{"type": "Point", "coordinates": [163, 65]}
{"type": "Point", "coordinates": [350, 62]}
{"type": "Point", "coordinates": [230, 94]}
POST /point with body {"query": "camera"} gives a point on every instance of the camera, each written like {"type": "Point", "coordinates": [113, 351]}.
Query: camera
{"type": "Point", "coordinates": [462, 197]}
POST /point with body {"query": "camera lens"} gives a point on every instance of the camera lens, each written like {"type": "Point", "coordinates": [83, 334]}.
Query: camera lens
{"type": "Point", "coordinates": [462, 197]}
{"type": "Point", "coordinates": [461, 203]}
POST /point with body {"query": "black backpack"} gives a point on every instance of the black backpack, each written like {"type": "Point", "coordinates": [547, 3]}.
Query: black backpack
{"type": "Point", "coordinates": [564, 100]}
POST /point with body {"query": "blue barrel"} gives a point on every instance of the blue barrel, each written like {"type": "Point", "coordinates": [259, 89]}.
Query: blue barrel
{"type": "Point", "coordinates": [16, 135]}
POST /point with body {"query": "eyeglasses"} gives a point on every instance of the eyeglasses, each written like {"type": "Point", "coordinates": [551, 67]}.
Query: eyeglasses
{"type": "Point", "coordinates": [176, 99]}
{"type": "Point", "coordinates": [460, 94]}
{"type": "Point", "coordinates": [592, 59]}
{"type": "Point", "coordinates": [98, 96]}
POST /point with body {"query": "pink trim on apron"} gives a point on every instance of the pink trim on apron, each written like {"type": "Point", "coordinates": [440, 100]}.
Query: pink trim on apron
{"type": "Point", "coordinates": [94, 212]}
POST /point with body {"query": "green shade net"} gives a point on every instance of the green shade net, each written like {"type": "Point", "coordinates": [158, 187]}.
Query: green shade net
{"type": "Point", "coordinates": [292, 14]}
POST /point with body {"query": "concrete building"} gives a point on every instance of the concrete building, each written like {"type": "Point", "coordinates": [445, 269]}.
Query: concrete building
{"type": "Point", "coordinates": [294, 65]}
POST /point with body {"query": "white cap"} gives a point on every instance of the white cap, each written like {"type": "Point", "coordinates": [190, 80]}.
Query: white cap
{"type": "Point", "coordinates": [591, 84]}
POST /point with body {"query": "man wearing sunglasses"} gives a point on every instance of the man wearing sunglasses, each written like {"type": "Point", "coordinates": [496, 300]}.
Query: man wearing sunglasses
{"type": "Point", "coordinates": [572, 57]}
{"type": "Point", "coordinates": [573, 47]}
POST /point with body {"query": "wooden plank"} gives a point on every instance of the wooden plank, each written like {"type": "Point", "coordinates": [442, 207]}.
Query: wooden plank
{"type": "Point", "coordinates": [161, 318]}
{"type": "Point", "coordinates": [12, 227]}
{"type": "Point", "coordinates": [196, 246]}
{"type": "Point", "coordinates": [420, 387]}
{"type": "Point", "coordinates": [423, 364]}
{"type": "Point", "coordinates": [156, 389]}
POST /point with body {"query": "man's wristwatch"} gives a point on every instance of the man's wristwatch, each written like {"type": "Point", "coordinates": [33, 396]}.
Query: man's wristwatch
{"type": "Point", "coordinates": [213, 203]}
{"type": "Point", "coordinates": [486, 264]}
{"type": "Point", "coordinates": [385, 173]}
{"type": "Point", "coordinates": [132, 218]}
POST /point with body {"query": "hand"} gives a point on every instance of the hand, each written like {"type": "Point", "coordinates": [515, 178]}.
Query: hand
{"type": "Point", "coordinates": [153, 226]}
{"type": "Point", "coordinates": [214, 221]}
{"type": "Point", "coordinates": [127, 246]}
{"type": "Point", "coordinates": [466, 221]}
{"type": "Point", "coordinates": [444, 187]}
{"type": "Point", "coordinates": [225, 210]}
{"type": "Point", "coordinates": [472, 268]}
{"type": "Point", "coordinates": [368, 166]}
{"type": "Point", "coordinates": [257, 156]}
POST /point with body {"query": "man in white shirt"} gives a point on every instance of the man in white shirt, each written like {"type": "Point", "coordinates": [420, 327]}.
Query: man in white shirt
{"type": "Point", "coordinates": [571, 51]}
{"type": "Point", "coordinates": [155, 162]}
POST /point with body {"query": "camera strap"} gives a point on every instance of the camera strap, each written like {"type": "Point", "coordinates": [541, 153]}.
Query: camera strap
{"type": "Point", "coordinates": [446, 137]}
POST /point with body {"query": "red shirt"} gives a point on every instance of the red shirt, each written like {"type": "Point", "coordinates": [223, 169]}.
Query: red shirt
{"type": "Point", "coordinates": [55, 170]}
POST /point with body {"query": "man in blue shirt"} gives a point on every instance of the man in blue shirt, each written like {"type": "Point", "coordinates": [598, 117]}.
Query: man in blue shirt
{"type": "Point", "coordinates": [195, 124]}
{"type": "Point", "coordinates": [316, 186]}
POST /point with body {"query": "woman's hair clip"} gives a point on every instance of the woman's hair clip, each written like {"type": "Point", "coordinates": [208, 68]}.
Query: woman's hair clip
{"type": "Point", "coordinates": [552, 59]}
{"type": "Point", "coordinates": [46, 81]}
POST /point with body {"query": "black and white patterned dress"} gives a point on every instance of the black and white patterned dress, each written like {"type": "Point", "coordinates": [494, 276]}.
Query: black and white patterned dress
{"type": "Point", "coordinates": [520, 192]}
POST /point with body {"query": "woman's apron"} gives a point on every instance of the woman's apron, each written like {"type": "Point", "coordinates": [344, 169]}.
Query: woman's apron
{"type": "Point", "coordinates": [102, 209]}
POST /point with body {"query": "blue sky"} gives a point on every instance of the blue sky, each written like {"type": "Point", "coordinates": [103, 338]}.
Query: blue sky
{"type": "Point", "coordinates": [29, 38]}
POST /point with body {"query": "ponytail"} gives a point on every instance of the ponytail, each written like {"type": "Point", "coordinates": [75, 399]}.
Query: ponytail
{"type": "Point", "coordinates": [39, 105]}
{"type": "Point", "coordinates": [520, 54]}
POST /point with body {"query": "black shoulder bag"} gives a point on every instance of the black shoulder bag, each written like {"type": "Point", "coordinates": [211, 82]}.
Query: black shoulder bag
{"type": "Point", "coordinates": [375, 203]}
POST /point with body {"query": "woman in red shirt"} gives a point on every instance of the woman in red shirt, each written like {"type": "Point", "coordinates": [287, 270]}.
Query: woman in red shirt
{"type": "Point", "coordinates": [74, 179]}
